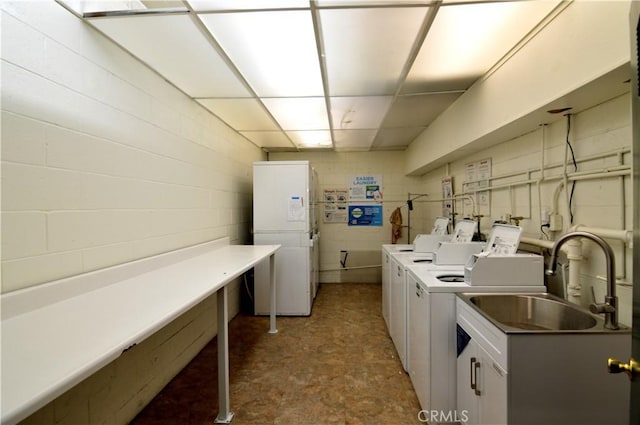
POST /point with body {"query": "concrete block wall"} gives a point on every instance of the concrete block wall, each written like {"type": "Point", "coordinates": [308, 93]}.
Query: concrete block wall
{"type": "Point", "coordinates": [363, 243]}
{"type": "Point", "coordinates": [605, 202]}
{"type": "Point", "coordinates": [104, 162]}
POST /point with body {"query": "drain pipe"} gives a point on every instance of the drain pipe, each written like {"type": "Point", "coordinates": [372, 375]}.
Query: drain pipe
{"type": "Point", "coordinates": [574, 255]}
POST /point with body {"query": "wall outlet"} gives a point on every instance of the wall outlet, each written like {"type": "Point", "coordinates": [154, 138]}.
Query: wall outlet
{"type": "Point", "coordinates": [544, 216]}
{"type": "Point", "coordinates": [555, 222]}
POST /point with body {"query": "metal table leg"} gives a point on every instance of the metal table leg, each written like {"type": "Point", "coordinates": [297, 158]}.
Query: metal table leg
{"type": "Point", "coordinates": [224, 414]}
{"type": "Point", "coordinates": [272, 292]}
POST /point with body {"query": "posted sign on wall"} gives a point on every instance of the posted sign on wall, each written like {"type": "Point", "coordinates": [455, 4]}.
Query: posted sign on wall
{"type": "Point", "coordinates": [365, 215]}
{"type": "Point", "coordinates": [365, 200]}
{"type": "Point", "coordinates": [365, 188]}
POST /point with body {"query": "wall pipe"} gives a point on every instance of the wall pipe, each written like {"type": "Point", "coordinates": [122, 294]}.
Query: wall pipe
{"type": "Point", "coordinates": [621, 235]}
{"type": "Point", "coordinates": [587, 158]}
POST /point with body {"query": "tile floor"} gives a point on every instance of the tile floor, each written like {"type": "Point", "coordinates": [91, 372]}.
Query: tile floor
{"type": "Point", "coordinates": [337, 366]}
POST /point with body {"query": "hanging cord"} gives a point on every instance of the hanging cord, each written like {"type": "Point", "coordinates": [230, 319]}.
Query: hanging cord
{"type": "Point", "coordinates": [575, 167]}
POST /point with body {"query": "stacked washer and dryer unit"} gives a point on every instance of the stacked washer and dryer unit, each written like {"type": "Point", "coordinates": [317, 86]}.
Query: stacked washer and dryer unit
{"type": "Point", "coordinates": [422, 320]}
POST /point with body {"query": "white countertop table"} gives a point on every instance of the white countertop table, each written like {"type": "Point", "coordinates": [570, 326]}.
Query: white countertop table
{"type": "Point", "coordinates": [57, 334]}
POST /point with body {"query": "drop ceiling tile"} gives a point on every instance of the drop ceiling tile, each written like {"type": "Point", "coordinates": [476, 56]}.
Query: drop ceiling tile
{"type": "Point", "coordinates": [182, 55]}
{"type": "Point", "coordinates": [241, 114]}
{"type": "Point", "coordinates": [354, 139]}
{"type": "Point", "coordinates": [311, 139]}
{"type": "Point", "coordinates": [466, 40]}
{"type": "Point", "coordinates": [367, 48]}
{"type": "Point", "coordinates": [418, 110]}
{"type": "Point", "coordinates": [83, 6]}
{"type": "Point", "coordinates": [306, 113]}
{"type": "Point", "coordinates": [352, 3]}
{"type": "Point", "coordinates": [359, 112]}
{"type": "Point", "coordinates": [268, 139]}
{"type": "Point", "coordinates": [395, 138]}
{"type": "Point", "coordinates": [211, 5]}
{"type": "Point", "coordinates": [275, 51]}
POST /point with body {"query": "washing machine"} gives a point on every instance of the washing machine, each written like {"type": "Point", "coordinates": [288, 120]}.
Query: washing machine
{"type": "Point", "coordinates": [431, 330]}
{"type": "Point", "coordinates": [398, 264]}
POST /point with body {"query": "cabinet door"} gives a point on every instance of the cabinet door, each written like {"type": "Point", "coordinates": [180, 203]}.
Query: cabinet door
{"type": "Point", "coordinates": [467, 400]}
{"type": "Point", "coordinates": [482, 388]}
{"type": "Point", "coordinates": [492, 384]}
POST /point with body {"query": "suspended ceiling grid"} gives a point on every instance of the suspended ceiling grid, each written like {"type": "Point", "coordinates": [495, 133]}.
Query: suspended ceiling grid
{"type": "Point", "coordinates": [345, 75]}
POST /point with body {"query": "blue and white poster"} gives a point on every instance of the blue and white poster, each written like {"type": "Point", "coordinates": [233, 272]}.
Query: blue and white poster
{"type": "Point", "coordinates": [365, 215]}
{"type": "Point", "coordinates": [365, 188]}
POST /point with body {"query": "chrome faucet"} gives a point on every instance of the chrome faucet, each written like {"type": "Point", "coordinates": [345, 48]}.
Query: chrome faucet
{"type": "Point", "coordinates": [610, 306]}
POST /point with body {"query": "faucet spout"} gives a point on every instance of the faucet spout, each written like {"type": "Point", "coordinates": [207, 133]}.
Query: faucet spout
{"type": "Point", "coordinates": [610, 306]}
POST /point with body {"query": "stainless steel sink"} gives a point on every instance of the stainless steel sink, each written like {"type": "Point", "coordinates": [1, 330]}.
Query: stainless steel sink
{"type": "Point", "coordinates": [534, 313]}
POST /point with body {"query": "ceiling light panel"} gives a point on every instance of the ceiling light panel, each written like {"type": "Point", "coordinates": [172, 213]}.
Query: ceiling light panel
{"type": "Point", "coordinates": [268, 139]}
{"type": "Point", "coordinates": [93, 6]}
{"type": "Point", "coordinates": [359, 112]}
{"type": "Point", "coordinates": [213, 5]}
{"type": "Point", "coordinates": [241, 114]}
{"type": "Point", "coordinates": [367, 48]}
{"type": "Point", "coordinates": [306, 113]}
{"type": "Point", "coordinates": [182, 55]}
{"type": "Point", "coordinates": [311, 139]}
{"type": "Point", "coordinates": [275, 51]}
{"type": "Point", "coordinates": [465, 41]}
{"type": "Point", "coordinates": [353, 3]}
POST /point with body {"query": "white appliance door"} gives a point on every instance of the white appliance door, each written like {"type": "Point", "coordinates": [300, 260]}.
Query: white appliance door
{"type": "Point", "coordinates": [281, 200]}
{"type": "Point", "coordinates": [293, 275]}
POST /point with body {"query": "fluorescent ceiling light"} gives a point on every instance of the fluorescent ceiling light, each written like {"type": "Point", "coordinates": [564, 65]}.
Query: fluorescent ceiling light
{"type": "Point", "coordinates": [182, 54]}
{"type": "Point", "coordinates": [276, 52]}
{"type": "Point", "coordinates": [366, 49]}
{"type": "Point", "coordinates": [311, 139]}
{"type": "Point", "coordinates": [91, 6]}
{"type": "Point", "coordinates": [307, 113]}
{"type": "Point", "coordinates": [211, 5]}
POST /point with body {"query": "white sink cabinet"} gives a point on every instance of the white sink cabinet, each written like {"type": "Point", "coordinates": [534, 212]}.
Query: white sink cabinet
{"type": "Point", "coordinates": [482, 387]}
{"type": "Point", "coordinates": [538, 377]}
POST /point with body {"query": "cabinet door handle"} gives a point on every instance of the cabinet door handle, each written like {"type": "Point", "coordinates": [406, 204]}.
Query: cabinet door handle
{"type": "Point", "coordinates": [472, 373]}
{"type": "Point", "coordinates": [476, 367]}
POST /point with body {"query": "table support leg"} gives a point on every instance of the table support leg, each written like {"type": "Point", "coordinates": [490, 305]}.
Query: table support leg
{"type": "Point", "coordinates": [224, 414]}
{"type": "Point", "coordinates": [272, 294]}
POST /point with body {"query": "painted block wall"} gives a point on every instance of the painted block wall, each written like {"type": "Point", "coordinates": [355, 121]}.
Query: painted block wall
{"type": "Point", "coordinates": [104, 162]}
{"type": "Point", "coordinates": [605, 202]}
{"type": "Point", "coordinates": [363, 243]}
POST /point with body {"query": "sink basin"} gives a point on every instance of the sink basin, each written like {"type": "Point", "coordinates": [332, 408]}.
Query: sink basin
{"type": "Point", "coordinates": [534, 312]}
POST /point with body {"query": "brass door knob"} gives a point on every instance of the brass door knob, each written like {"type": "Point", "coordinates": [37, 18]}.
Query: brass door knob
{"type": "Point", "coordinates": [632, 369]}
